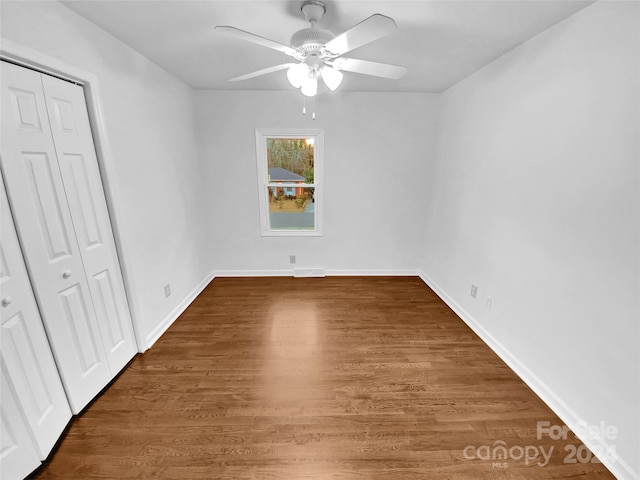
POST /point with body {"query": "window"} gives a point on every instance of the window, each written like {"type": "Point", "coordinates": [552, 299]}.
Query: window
{"type": "Point", "coordinates": [290, 182]}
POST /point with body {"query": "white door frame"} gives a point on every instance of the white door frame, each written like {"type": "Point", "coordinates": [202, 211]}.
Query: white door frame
{"type": "Point", "coordinates": [35, 60]}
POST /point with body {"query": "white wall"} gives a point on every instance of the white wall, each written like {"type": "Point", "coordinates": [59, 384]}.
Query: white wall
{"type": "Point", "coordinates": [150, 123]}
{"type": "Point", "coordinates": [535, 199]}
{"type": "Point", "coordinates": [375, 150]}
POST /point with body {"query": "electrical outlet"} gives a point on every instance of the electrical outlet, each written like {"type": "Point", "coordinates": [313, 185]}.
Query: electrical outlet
{"type": "Point", "coordinates": [167, 290]}
{"type": "Point", "coordinates": [474, 291]}
{"type": "Point", "coordinates": [292, 259]}
{"type": "Point", "coordinates": [488, 303]}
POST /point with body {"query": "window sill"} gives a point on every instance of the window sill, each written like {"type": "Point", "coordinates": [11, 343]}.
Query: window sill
{"type": "Point", "coordinates": [285, 233]}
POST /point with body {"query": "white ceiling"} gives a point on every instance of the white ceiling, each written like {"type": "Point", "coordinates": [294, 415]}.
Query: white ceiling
{"type": "Point", "coordinates": [440, 41]}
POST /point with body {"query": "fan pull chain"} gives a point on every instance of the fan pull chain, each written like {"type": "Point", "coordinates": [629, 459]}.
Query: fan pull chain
{"type": "Point", "coordinates": [313, 106]}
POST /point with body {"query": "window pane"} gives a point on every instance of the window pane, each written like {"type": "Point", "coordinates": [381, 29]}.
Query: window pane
{"type": "Point", "coordinates": [290, 163]}
{"type": "Point", "coordinates": [290, 160]}
{"type": "Point", "coordinates": [291, 207]}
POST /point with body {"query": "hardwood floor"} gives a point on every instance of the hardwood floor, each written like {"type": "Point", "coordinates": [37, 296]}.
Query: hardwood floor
{"type": "Point", "coordinates": [317, 378]}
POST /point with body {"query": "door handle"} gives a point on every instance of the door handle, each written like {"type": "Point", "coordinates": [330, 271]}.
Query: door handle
{"type": "Point", "coordinates": [66, 274]}
{"type": "Point", "coordinates": [7, 301]}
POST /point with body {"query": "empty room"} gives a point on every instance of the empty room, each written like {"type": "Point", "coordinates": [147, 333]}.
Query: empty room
{"type": "Point", "coordinates": [333, 239]}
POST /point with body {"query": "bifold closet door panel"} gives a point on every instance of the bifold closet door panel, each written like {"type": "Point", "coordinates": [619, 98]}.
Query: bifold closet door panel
{"type": "Point", "coordinates": [24, 349]}
{"type": "Point", "coordinates": [18, 455]}
{"type": "Point", "coordinates": [47, 237]}
{"type": "Point", "coordinates": [82, 183]}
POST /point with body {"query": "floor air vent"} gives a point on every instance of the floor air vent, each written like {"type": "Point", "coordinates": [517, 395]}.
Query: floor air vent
{"type": "Point", "coordinates": [308, 272]}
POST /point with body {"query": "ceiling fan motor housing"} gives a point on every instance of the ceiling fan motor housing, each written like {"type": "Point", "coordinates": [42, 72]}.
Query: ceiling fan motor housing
{"type": "Point", "coordinates": [311, 39]}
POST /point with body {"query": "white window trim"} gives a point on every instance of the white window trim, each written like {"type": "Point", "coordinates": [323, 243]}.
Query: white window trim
{"type": "Point", "coordinates": [263, 195]}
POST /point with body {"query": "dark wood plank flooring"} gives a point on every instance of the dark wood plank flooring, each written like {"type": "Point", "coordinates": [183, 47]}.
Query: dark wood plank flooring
{"type": "Point", "coordinates": [314, 379]}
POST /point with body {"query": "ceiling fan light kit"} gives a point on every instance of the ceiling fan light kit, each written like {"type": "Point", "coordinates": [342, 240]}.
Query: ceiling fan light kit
{"type": "Point", "coordinates": [332, 77]}
{"type": "Point", "coordinates": [319, 52]}
{"type": "Point", "coordinates": [309, 87]}
{"type": "Point", "coordinates": [296, 74]}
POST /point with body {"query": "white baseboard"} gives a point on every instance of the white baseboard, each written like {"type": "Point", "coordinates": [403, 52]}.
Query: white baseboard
{"type": "Point", "coordinates": [621, 469]}
{"type": "Point", "coordinates": [157, 332]}
{"type": "Point", "coordinates": [327, 272]}
{"type": "Point", "coordinates": [253, 273]}
{"type": "Point", "coordinates": [374, 273]}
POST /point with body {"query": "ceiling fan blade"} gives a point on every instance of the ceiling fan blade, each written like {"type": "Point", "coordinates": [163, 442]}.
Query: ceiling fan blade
{"type": "Point", "coordinates": [258, 73]}
{"type": "Point", "coordinates": [369, 68]}
{"type": "Point", "coordinates": [370, 29]}
{"type": "Point", "coordinates": [250, 37]}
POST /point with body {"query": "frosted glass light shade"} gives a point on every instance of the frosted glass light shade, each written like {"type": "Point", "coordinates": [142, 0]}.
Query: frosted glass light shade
{"type": "Point", "coordinates": [309, 86]}
{"type": "Point", "coordinates": [297, 74]}
{"type": "Point", "coordinates": [332, 77]}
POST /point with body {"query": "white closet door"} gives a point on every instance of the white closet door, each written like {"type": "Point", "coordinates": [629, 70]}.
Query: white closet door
{"type": "Point", "coordinates": [79, 167]}
{"type": "Point", "coordinates": [24, 349]}
{"type": "Point", "coordinates": [47, 236]}
{"type": "Point", "coordinates": [18, 455]}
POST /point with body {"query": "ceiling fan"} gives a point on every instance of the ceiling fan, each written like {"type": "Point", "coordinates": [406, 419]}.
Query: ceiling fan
{"type": "Point", "coordinates": [318, 52]}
